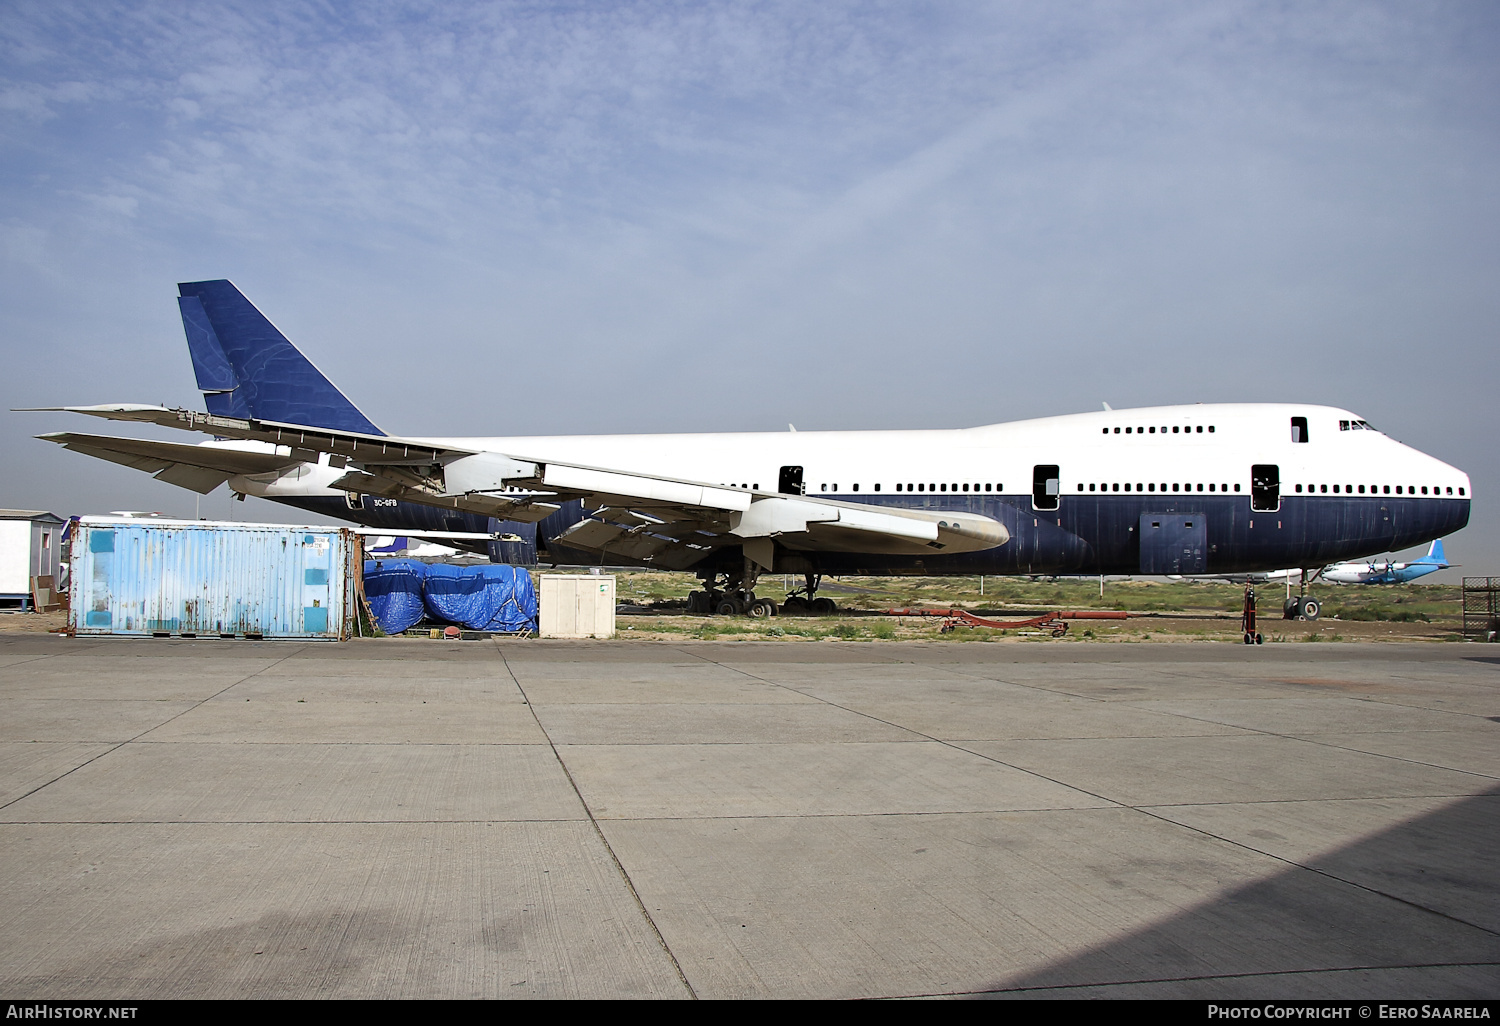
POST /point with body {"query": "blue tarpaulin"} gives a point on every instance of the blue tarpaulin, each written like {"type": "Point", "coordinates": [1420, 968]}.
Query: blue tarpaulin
{"type": "Point", "coordinates": [483, 598]}
{"type": "Point", "coordinates": [394, 588]}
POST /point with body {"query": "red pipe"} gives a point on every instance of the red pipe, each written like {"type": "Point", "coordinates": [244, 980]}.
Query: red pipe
{"type": "Point", "coordinates": [1053, 620]}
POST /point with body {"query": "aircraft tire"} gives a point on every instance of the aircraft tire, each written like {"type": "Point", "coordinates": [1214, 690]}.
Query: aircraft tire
{"type": "Point", "coordinates": [728, 608]}
{"type": "Point", "coordinates": [762, 608]}
{"type": "Point", "coordinates": [1309, 609]}
{"type": "Point", "coordinates": [824, 607]}
{"type": "Point", "coordinates": [697, 602]}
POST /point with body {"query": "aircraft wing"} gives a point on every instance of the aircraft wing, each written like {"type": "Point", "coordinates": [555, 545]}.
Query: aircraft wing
{"type": "Point", "coordinates": [665, 521]}
{"type": "Point", "coordinates": [201, 468]}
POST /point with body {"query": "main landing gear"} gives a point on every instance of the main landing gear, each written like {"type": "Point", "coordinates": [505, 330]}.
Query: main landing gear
{"type": "Point", "coordinates": [732, 593]}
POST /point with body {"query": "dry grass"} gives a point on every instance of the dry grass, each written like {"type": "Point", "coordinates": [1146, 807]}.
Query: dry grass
{"type": "Point", "coordinates": [1160, 611]}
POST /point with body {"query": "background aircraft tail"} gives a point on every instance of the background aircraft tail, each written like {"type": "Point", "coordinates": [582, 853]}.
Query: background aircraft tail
{"type": "Point", "coordinates": [246, 368]}
{"type": "Point", "coordinates": [1435, 554]}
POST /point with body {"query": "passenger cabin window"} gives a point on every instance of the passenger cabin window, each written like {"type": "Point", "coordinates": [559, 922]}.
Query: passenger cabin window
{"type": "Point", "coordinates": [1046, 486]}
{"type": "Point", "coordinates": [1299, 429]}
{"type": "Point", "coordinates": [1265, 487]}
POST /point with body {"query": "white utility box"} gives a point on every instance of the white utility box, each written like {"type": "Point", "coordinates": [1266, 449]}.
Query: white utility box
{"type": "Point", "coordinates": [30, 551]}
{"type": "Point", "coordinates": [577, 606]}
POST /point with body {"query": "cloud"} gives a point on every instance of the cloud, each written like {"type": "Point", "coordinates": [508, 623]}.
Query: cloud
{"type": "Point", "coordinates": [834, 213]}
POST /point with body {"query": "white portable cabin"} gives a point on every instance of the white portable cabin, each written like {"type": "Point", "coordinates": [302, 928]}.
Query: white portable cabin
{"type": "Point", "coordinates": [30, 544]}
{"type": "Point", "coordinates": [577, 606]}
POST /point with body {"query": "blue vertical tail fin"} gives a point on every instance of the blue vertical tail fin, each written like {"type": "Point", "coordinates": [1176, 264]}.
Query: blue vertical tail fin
{"type": "Point", "coordinates": [247, 368]}
{"type": "Point", "coordinates": [1435, 554]}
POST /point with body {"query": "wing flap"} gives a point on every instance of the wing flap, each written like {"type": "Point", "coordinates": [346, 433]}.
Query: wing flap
{"type": "Point", "coordinates": [197, 479]}
{"type": "Point", "coordinates": [604, 539]}
{"type": "Point", "coordinates": [640, 489]}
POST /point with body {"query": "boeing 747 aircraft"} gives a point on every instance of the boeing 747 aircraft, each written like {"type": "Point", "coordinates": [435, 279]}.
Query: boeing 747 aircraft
{"type": "Point", "coordinates": [1194, 489]}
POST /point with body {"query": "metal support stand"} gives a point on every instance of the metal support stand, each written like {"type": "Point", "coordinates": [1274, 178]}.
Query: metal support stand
{"type": "Point", "coordinates": [1247, 619]}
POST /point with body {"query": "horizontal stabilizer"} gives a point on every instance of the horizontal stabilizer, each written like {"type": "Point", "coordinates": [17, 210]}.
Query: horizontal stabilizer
{"type": "Point", "coordinates": [201, 468]}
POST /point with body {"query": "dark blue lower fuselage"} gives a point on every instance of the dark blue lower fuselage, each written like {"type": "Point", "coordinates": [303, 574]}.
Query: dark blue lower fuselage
{"type": "Point", "coordinates": [1086, 534]}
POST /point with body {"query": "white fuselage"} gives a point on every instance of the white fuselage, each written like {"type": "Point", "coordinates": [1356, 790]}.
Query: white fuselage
{"type": "Point", "coordinates": [1193, 448]}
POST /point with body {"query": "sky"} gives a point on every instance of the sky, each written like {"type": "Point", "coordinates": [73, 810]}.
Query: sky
{"type": "Point", "coordinates": [535, 218]}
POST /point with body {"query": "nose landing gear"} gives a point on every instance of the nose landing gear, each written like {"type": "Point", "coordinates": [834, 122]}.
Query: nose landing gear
{"type": "Point", "coordinates": [1304, 606]}
{"type": "Point", "coordinates": [802, 601]}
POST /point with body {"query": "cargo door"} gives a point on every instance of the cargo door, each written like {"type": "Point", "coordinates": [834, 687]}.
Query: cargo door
{"type": "Point", "coordinates": [1174, 543]}
{"type": "Point", "coordinates": [790, 481]}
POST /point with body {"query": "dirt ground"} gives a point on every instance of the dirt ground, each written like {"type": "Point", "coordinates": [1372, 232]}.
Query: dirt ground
{"type": "Point", "coordinates": [867, 625]}
{"type": "Point", "coordinates": [15, 622]}
{"type": "Point", "coordinates": [857, 626]}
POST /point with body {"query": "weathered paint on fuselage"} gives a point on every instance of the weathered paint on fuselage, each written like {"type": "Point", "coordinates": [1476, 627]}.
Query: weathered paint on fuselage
{"type": "Point", "coordinates": [1344, 493]}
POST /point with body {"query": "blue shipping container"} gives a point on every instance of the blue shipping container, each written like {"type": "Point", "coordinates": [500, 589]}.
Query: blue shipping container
{"type": "Point", "coordinates": [200, 578]}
